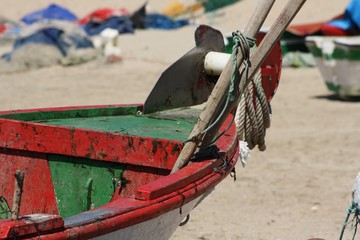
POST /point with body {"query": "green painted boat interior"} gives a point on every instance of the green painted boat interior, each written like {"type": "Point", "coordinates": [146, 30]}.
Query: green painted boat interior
{"type": "Point", "coordinates": [132, 124]}
{"type": "Point", "coordinates": [173, 124]}
{"type": "Point", "coordinates": [81, 185]}
{"type": "Point", "coordinates": [43, 115]}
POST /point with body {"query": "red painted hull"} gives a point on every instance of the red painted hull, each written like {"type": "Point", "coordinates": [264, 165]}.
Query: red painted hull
{"type": "Point", "coordinates": [152, 194]}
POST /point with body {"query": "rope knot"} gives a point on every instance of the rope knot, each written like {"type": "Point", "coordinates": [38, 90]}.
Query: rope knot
{"type": "Point", "coordinates": [244, 44]}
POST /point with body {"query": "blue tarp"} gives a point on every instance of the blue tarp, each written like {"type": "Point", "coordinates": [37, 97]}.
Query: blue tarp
{"type": "Point", "coordinates": [53, 11]}
{"type": "Point", "coordinates": [57, 38]}
{"type": "Point", "coordinates": [351, 18]}
{"type": "Point", "coordinates": [61, 35]}
{"type": "Point", "coordinates": [158, 21]}
{"type": "Point", "coordinates": [122, 24]}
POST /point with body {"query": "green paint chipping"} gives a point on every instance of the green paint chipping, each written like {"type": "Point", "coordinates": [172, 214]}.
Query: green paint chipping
{"type": "Point", "coordinates": [5, 212]}
{"type": "Point", "coordinates": [332, 87]}
{"type": "Point", "coordinates": [81, 184]}
{"type": "Point", "coordinates": [339, 53]}
{"type": "Point", "coordinates": [353, 53]}
{"type": "Point", "coordinates": [133, 125]}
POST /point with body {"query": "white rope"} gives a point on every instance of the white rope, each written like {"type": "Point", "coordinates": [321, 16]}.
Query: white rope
{"type": "Point", "coordinates": [252, 117]}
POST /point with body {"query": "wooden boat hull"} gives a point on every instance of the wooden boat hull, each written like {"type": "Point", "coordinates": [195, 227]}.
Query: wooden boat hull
{"type": "Point", "coordinates": [91, 174]}
{"type": "Point", "coordinates": [161, 227]}
{"type": "Point", "coordinates": [338, 59]}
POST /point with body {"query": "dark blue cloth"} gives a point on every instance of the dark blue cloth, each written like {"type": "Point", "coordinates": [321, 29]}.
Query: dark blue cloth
{"type": "Point", "coordinates": [53, 11]}
{"type": "Point", "coordinates": [351, 18]}
{"type": "Point", "coordinates": [122, 24]}
{"type": "Point", "coordinates": [126, 25]}
{"type": "Point", "coordinates": [158, 21]}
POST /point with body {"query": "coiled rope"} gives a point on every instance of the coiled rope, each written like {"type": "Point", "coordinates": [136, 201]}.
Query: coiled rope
{"type": "Point", "coordinates": [253, 114]}
{"type": "Point", "coordinates": [253, 111]}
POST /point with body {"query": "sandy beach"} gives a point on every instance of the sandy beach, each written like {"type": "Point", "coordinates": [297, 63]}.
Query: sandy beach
{"type": "Point", "coordinates": [299, 188]}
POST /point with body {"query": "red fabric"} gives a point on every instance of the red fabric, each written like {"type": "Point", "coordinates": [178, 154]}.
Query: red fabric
{"type": "Point", "coordinates": [2, 28]}
{"type": "Point", "coordinates": [102, 14]}
{"type": "Point", "coordinates": [329, 30]}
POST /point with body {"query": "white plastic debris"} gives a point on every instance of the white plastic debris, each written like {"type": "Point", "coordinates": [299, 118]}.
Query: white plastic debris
{"type": "Point", "coordinates": [109, 34]}
{"type": "Point", "coordinates": [356, 190]}
{"type": "Point", "coordinates": [110, 44]}
{"type": "Point", "coordinates": [244, 152]}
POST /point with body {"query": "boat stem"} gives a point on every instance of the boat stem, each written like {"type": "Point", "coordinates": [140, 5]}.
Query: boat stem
{"type": "Point", "coordinates": [219, 93]}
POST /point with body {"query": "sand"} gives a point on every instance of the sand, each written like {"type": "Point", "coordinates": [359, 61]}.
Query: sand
{"type": "Point", "coordinates": [299, 188]}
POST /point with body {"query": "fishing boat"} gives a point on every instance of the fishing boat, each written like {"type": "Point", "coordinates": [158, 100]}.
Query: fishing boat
{"type": "Point", "coordinates": [113, 172]}
{"type": "Point", "coordinates": [337, 59]}
{"type": "Point", "coordinates": [90, 171]}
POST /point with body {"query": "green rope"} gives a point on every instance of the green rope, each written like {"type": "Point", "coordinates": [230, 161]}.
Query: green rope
{"type": "Point", "coordinates": [353, 209]}
{"type": "Point", "coordinates": [245, 44]}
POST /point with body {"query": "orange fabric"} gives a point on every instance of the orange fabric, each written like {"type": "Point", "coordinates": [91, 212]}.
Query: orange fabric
{"type": "Point", "coordinates": [305, 29]}
{"type": "Point", "coordinates": [311, 28]}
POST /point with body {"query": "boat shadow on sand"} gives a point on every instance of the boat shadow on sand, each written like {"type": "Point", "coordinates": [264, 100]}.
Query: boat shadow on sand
{"type": "Point", "coordinates": [335, 97]}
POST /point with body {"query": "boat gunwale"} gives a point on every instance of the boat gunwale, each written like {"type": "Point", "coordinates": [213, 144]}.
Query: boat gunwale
{"type": "Point", "coordinates": [7, 114]}
{"type": "Point", "coordinates": [125, 212]}
{"type": "Point", "coordinates": [120, 218]}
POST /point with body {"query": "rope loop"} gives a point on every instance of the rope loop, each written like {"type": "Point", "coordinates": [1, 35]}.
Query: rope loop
{"type": "Point", "coordinates": [253, 114]}
{"type": "Point", "coordinates": [353, 209]}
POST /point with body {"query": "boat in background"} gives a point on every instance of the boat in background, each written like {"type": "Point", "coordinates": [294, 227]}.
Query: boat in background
{"type": "Point", "coordinates": [338, 59]}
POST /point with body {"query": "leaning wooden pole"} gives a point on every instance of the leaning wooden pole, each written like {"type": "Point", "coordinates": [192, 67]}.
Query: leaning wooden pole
{"type": "Point", "coordinates": [220, 90]}
{"type": "Point", "coordinates": [257, 59]}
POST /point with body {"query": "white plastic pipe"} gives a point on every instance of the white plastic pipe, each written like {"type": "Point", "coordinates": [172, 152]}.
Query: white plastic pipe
{"type": "Point", "coordinates": [215, 62]}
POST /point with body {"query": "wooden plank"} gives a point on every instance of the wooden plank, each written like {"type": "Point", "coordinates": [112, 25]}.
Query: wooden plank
{"type": "Point", "coordinates": [97, 145]}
